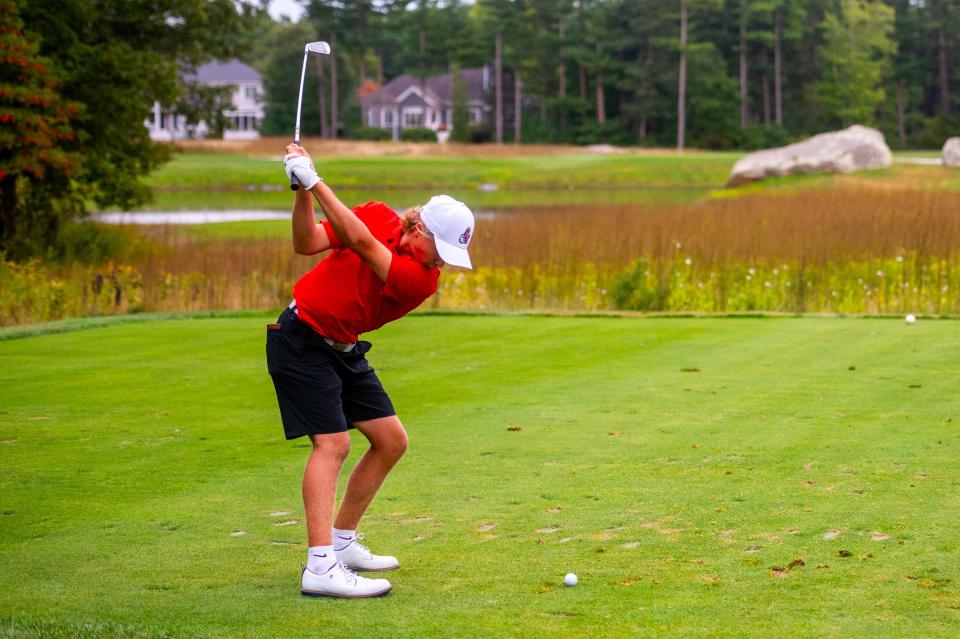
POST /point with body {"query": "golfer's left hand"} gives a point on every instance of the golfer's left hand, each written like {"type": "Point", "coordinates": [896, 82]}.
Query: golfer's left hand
{"type": "Point", "coordinates": [297, 164]}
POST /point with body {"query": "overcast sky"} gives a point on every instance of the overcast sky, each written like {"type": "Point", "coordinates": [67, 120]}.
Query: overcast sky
{"type": "Point", "coordinates": [287, 8]}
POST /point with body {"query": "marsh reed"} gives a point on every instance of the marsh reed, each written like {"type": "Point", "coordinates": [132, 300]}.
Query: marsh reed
{"type": "Point", "coordinates": [859, 250]}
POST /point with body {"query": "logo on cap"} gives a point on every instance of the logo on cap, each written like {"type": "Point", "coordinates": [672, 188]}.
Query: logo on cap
{"type": "Point", "coordinates": [465, 237]}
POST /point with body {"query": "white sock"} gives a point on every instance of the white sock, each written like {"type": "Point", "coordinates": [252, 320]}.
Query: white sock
{"type": "Point", "coordinates": [320, 559]}
{"type": "Point", "coordinates": [343, 538]}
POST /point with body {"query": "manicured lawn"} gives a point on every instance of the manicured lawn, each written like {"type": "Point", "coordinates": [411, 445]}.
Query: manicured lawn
{"type": "Point", "coordinates": [680, 466]}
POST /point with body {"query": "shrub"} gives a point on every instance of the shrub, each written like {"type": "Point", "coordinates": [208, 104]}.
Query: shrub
{"type": "Point", "coordinates": [372, 133]}
{"type": "Point", "coordinates": [758, 136]}
{"type": "Point", "coordinates": [418, 134]}
{"type": "Point", "coordinates": [92, 243]}
{"type": "Point", "coordinates": [935, 131]}
{"type": "Point", "coordinates": [480, 133]}
{"type": "Point", "coordinates": [636, 289]}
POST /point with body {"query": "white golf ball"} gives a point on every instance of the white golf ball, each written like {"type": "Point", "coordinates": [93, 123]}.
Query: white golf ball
{"type": "Point", "coordinates": [570, 579]}
{"type": "Point", "coordinates": [911, 318]}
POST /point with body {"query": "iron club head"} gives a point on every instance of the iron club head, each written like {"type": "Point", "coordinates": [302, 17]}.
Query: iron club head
{"type": "Point", "coordinates": [317, 47]}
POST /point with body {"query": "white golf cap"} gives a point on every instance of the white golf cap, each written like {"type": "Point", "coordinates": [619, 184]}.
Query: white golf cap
{"type": "Point", "coordinates": [451, 223]}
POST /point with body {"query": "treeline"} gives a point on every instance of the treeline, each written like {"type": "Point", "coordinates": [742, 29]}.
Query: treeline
{"type": "Point", "coordinates": [703, 73]}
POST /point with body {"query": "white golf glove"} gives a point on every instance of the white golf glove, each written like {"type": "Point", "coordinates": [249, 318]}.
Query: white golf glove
{"type": "Point", "coordinates": [301, 167]}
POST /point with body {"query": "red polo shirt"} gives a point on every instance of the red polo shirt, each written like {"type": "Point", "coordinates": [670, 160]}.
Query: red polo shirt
{"type": "Point", "coordinates": [341, 297]}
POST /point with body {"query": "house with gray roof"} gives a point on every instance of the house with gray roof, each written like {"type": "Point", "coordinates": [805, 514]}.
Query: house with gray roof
{"type": "Point", "coordinates": [408, 102]}
{"type": "Point", "coordinates": [245, 116]}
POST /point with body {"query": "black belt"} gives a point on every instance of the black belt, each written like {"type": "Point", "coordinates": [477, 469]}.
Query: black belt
{"type": "Point", "coordinates": [343, 347]}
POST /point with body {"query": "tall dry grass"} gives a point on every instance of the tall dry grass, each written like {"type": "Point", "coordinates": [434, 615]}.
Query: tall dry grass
{"type": "Point", "coordinates": [816, 228]}
{"type": "Point", "coordinates": [852, 250]}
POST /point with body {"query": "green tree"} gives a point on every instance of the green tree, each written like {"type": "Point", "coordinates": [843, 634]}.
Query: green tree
{"type": "Point", "coordinates": [114, 59]}
{"type": "Point", "coordinates": [645, 70]}
{"type": "Point", "coordinates": [856, 59]}
{"type": "Point", "coordinates": [281, 82]}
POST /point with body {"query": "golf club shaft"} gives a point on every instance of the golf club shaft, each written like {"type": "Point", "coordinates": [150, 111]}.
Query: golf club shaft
{"type": "Point", "coordinates": [294, 183]}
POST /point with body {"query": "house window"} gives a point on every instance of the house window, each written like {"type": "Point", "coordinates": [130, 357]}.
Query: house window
{"type": "Point", "coordinates": [412, 119]}
{"type": "Point", "coordinates": [475, 116]}
{"type": "Point", "coordinates": [388, 118]}
{"type": "Point", "coordinates": [250, 92]}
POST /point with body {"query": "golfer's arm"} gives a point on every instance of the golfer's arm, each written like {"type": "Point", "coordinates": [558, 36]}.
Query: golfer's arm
{"type": "Point", "coordinates": [309, 238]}
{"type": "Point", "coordinates": [352, 232]}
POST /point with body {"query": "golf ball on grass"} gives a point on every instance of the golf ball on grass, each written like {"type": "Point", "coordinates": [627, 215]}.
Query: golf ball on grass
{"type": "Point", "coordinates": [570, 579]}
{"type": "Point", "coordinates": [911, 318]}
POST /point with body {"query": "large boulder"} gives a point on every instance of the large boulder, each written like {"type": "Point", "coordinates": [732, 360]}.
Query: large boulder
{"type": "Point", "coordinates": [951, 153]}
{"type": "Point", "coordinates": [853, 149]}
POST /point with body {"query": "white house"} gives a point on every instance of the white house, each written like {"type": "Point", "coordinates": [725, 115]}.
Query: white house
{"type": "Point", "coordinates": [245, 117]}
{"type": "Point", "coordinates": [407, 102]}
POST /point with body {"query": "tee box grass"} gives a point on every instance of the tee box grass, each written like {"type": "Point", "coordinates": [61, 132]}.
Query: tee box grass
{"type": "Point", "coordinates": [742, 477]}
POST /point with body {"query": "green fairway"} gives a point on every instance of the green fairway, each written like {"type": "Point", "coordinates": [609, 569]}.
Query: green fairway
{"type": "Point", "coordinates": [704, 478]}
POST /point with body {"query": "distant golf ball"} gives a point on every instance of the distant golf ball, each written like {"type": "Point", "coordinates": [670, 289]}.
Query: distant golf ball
{"type": "Point", "coordinates": [911, 318]}
{"type": "Point", "coordinates": [570, 579]}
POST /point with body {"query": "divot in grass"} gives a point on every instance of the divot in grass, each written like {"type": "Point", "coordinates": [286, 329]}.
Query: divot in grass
{"type": "Point", "coordinates": [628, 581]}
{"type": "Point", "coordinates": [289, 522]}
{"type": "Point", "coordinates": [238, 533]}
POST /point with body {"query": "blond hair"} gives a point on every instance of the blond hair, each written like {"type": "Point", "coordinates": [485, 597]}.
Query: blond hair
{"type": "Point", "coordinates": [410, 218]}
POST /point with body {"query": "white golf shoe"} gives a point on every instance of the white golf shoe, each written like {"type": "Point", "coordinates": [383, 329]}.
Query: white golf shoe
{"type": "Point", "coordinates": [341, 582]}
{"type": "Point", "coordinates": [356, 556]}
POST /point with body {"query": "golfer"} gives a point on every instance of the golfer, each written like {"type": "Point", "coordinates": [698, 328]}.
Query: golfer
{"type": "Point", "coordinates": [380, 267]}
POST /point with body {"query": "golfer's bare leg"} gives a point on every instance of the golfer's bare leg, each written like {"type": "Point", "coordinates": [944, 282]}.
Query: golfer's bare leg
{"type": "Point", "coordinates": [388, 442]}
{"type": "Point", "coordinates": [320, 484]}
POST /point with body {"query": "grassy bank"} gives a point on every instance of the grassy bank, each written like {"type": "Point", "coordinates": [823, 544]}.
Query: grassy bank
{"type": "Point", "coordinates": [750, 478]}
{"type": "Point", "coordinates": [200, 171]}
{"type": "Point", "coordinates": [249, 177]}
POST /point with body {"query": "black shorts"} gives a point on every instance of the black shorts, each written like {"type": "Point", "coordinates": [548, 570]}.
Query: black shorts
{"type": "Point", "coordinates": [321, 390]}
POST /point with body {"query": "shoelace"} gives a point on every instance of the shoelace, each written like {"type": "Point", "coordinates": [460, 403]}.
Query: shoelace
{"type": "Point", "coordinates": [348, 574]}
{"type": "Point", "coordinates": [357, 541]}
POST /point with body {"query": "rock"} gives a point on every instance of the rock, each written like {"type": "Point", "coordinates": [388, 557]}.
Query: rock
{"type": "Point", "coordinates": [951, 153]}
{"type": "Point", "coordinates": [853, 149]}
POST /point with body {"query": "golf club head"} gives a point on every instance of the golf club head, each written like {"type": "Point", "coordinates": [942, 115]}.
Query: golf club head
{"type": "Point", "coordinates": [317, 47]}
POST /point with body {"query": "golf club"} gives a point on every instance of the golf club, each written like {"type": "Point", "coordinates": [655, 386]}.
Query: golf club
{"type": "Point", "coordinates": [311, 47]}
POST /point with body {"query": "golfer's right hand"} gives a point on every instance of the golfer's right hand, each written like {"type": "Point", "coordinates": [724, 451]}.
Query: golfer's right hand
{"type": "Point", "coordinates": [299, 165]}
